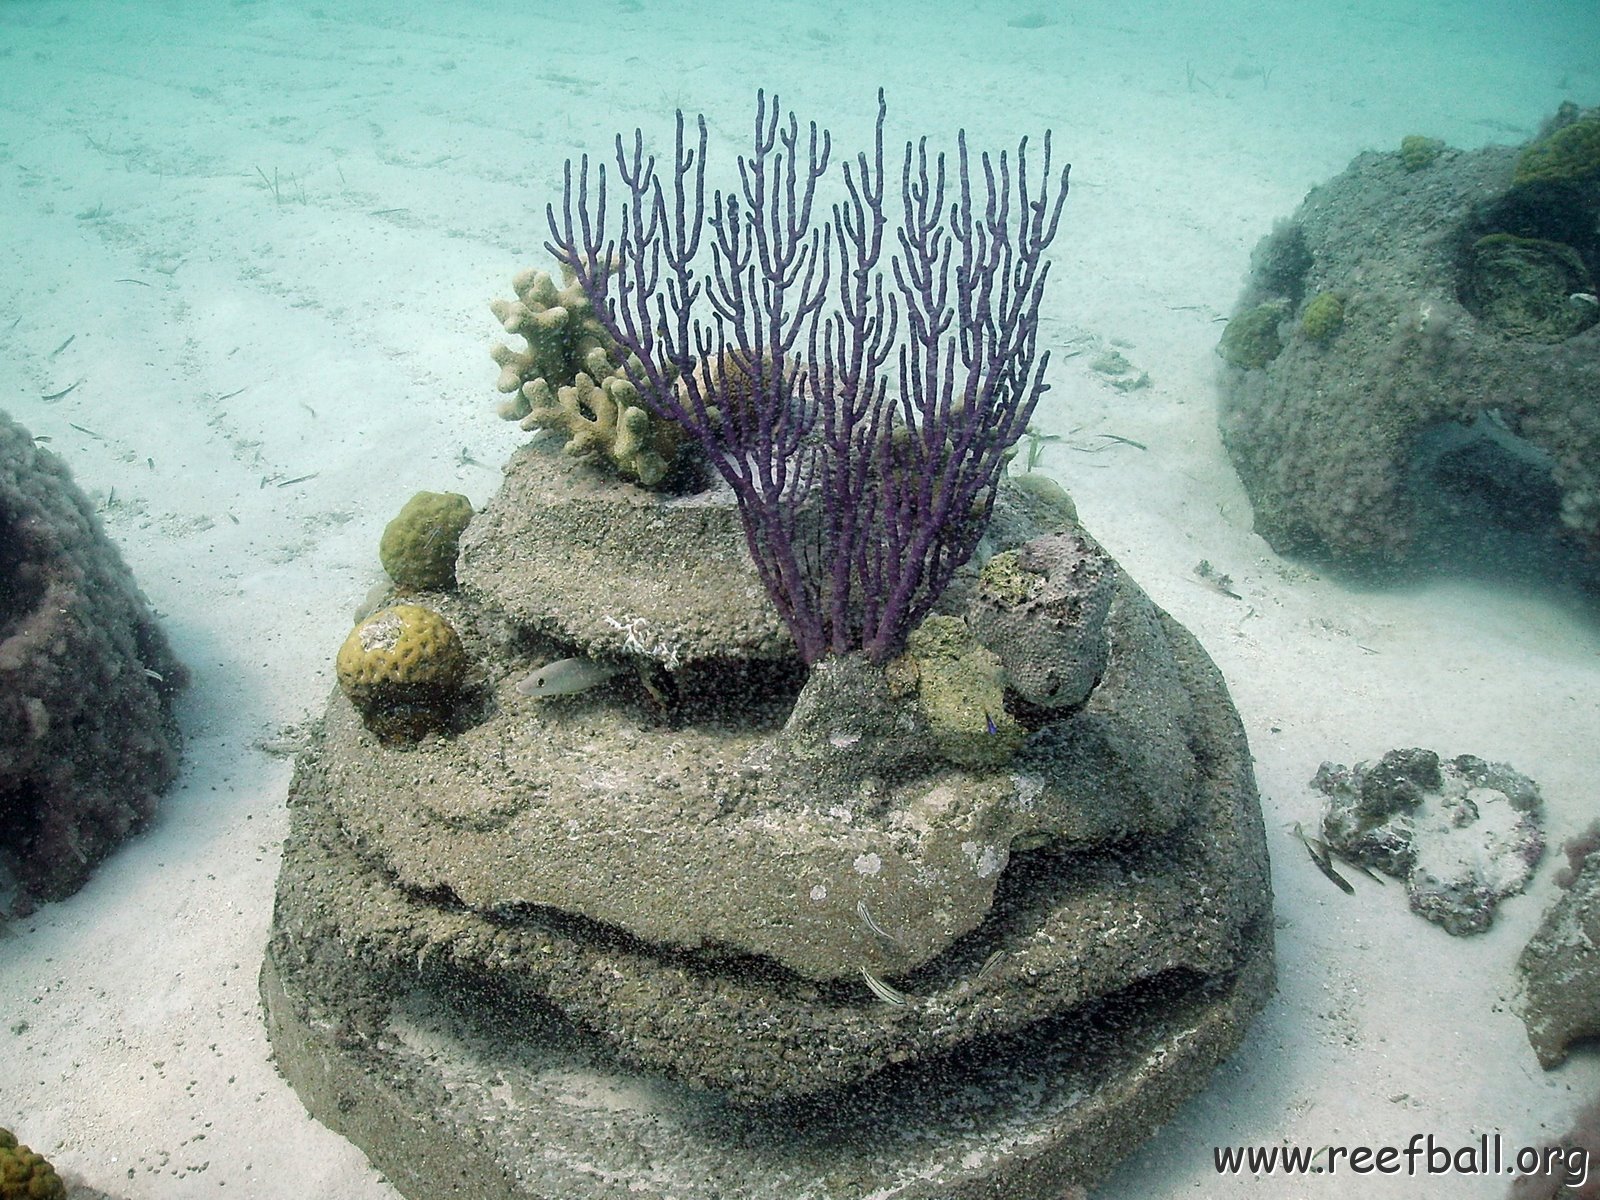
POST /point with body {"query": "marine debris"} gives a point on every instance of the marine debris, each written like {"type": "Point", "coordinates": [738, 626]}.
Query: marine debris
{"type": "Point", "coordinates": [1463, 834]}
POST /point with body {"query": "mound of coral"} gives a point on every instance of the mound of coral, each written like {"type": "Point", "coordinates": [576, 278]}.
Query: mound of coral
{"type": "Point", "coordinates": [24, 1173]}
{"type": "Point", "coordinates": [710, 922]}
{"type": "Point", "coordinates": [1417, 349]}
{"type": "Point", "coordinates": [87, 682]}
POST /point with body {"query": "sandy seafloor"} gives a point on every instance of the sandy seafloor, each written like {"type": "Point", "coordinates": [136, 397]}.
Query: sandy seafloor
{"type": "Point", "coordinates": [230, 339]}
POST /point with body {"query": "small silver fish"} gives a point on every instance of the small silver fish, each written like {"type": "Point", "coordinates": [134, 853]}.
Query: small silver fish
{"type": "Point", "coordinates": [989, 964]}
{"type": "Point", "coordinates": [880, 989]}
{"type": "Point", "coordinates": [866, 919]}
{"type": "Point", "coordinates": [564, 677]}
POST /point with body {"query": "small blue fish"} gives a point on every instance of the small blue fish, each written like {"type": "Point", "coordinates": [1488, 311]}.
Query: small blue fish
{"type": "Point", "coordinates": [989, 721]}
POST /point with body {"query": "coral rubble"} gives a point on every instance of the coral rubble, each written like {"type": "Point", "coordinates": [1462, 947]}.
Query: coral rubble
{"type": "Point", "coordinates": [1462, 834]}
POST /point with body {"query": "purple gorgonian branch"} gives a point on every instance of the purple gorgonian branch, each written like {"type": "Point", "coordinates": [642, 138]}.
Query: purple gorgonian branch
{"type": "Point", "coordinates": [864, 461]}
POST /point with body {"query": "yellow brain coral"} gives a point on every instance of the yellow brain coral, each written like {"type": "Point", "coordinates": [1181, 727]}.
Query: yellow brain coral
{"type": "Point", "coordinates": [403, 669]}
{"type": "Point", "coordinates": [25, 1175]}
{"type": "Point", "coordinates": [418, 549]}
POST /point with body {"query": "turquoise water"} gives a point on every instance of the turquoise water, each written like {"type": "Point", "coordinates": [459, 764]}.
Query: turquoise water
{"type": "Point", "coordinates": [271, 233]}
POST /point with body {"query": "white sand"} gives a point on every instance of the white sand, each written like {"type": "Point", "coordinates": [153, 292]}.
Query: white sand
{"type": "Point", "coordinates": [413, 155]}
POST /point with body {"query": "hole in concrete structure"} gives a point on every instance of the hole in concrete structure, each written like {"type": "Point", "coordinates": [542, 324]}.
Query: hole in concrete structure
{"type": "Point", "coordinates": [1528, 266]}
{"type": "Point", "coordinates": [1487, 505]}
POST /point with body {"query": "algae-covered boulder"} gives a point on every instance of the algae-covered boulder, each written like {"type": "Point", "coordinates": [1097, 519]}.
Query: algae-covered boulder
{"type": "Point", "coordinates": [88, 683]}
{"type": "Point", "coordinates": [1445, 387]}
{"type": "Point", "coordinates": [568, 553]}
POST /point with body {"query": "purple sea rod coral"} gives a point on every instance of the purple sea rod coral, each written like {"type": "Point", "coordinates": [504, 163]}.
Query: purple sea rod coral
{"type": "Point", "coordinates": [862, 489]}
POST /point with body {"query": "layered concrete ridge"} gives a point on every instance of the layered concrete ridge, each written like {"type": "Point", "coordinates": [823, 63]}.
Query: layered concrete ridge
{"type": "Point", "coordinates": [765, 940]}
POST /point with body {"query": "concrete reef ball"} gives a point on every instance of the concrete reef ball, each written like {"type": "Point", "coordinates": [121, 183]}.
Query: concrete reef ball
{"type": "Point", "coordinates": [1411, 376]}
{"type": "Point", "coordinates": [403, 669]}
{"type": "Point", "coordinates": [88, 683]}
{"type": "Point", "coordinates": [1013, 912]}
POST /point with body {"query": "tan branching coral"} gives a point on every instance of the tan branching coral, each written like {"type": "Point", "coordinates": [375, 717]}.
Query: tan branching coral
{"type": "Point", "coordinates": [733, 381]}
{"type": "Point", "coordinates": [568, 378]}
{"type": "Point", "coordinates": [561, 332]}
{"type": "Point", "coordinates": [605, 420]}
